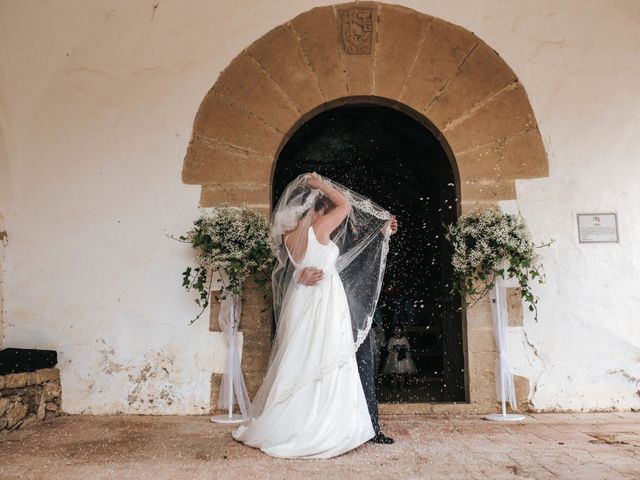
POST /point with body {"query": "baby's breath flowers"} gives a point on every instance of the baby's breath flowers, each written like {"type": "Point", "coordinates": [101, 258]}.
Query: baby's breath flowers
{"type": "Point", "coordinates": [234, 241]}
{"type": "Point", "coordinates": [482, 240]}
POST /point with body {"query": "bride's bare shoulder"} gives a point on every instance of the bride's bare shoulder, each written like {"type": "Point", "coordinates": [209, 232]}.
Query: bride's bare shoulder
{"type": "Point", "coordinates": [293, 237]}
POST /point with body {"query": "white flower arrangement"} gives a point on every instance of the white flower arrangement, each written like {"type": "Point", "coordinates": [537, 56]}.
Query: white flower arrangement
{"type": "Point", "coordinates": [488, 244]}
{"type": "Point", "coordinates": [234, 241]}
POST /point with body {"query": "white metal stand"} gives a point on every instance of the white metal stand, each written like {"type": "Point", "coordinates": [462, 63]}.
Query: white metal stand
{"type": "Point", "coordinates": [229, 320]}
{"type": "Point", "coordinates": [500, 325]}
{"type": "Point", "coordinates": [504, 416]}
{"type": "Point", "coordinates": [230, 417]}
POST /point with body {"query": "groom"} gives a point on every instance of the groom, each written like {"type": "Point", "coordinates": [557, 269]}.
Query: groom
{"type": "Point", "coordinates": [364, 355]}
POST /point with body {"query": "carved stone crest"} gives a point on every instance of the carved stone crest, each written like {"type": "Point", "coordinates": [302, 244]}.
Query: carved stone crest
{"type": "Point", "coordinates": [358, 28]}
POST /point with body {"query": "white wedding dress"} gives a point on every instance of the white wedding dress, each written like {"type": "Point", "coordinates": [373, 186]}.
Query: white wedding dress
{"type": "Point", "coordinates": [315, 406]}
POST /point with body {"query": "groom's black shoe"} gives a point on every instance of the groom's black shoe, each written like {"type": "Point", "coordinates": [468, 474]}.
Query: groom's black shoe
{"type": "Point", "coordinates": [381, 438]}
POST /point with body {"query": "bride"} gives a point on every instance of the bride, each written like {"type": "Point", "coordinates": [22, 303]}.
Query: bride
{"type": "Point", "coordinates": [311, 403]}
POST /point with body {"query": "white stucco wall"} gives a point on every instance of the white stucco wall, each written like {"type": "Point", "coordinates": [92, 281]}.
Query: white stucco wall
{"type": "Point", "coordinates": [97, 101]}
{"type": "Point", "coordinates": [6, 206]}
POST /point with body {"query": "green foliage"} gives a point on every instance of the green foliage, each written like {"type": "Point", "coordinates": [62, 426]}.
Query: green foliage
{"type": "Point", "coordinates": [233, 241]}
{"type": "Point", "coordinates": [481, 241]}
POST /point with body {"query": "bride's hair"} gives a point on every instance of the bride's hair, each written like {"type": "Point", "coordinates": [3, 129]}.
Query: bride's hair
{"type": "Point", "coordinates": [323, 202]}
{"type": "Point", "coordinates": [320, 203]}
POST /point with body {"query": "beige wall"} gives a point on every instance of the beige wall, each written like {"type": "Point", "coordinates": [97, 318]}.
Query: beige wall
{"type": "Point", "coordinates": [98, 101]}
{"type": "Point", "coordinates": [5, 210]}
{"type": "Point", "coordinates": [2, 255]}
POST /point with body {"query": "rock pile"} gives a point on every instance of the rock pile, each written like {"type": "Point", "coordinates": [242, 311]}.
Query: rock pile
{"type": "Point", "coordinates": [25, 397]}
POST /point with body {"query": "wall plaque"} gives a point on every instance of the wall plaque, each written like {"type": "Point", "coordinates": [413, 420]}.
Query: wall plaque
{"type": "Point", "coordinates": [597, 228]}
{"type": "Point", "coordinates": [358, 28]}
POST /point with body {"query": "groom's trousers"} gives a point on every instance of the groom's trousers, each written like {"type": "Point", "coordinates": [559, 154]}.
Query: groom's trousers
{"type": "Point", "coordinates": [366, 368]}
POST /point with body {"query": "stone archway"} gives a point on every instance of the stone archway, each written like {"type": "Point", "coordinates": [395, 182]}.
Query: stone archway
{"type": "Point", "coordinates": [347, 52]}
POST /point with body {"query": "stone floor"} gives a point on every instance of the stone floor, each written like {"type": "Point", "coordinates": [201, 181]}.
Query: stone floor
{"type": "Point", "coordinates": [572, 446]}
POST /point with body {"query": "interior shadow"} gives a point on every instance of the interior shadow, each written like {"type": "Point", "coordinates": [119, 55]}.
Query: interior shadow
{"type": "Point", "coordinates": [390, 157]}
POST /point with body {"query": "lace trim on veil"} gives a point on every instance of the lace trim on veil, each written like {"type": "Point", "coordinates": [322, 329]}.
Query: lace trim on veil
{"type": "Point", "coordinates": [367, 206]}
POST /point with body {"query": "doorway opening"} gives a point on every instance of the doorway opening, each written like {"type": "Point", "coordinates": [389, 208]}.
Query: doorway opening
{"type": "Point", "coordinates": [394, 159]}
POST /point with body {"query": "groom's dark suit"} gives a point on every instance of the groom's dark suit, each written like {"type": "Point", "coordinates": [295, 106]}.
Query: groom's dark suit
{"type": "Point", "coordinates": [366, 368]}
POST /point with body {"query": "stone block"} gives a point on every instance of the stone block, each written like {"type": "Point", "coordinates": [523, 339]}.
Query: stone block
{"type": "Point", "coordinates": [256, 300]}
{"type": "Point", "coordinates": [467, 206]}
{"type": "Point", "coordinates": [487, 191]}
{"type": "Point", "coordinates": [358, 27]}
{"type": "Point", "coordinates": [483, 340]}
{"type": "Point", "coordinates": [359, 67]}
{"type": "Point", "coordinates": [514, 307]}
{"type": "Point", "coordinates": [235, 194]}
{"type": "Point", "coordinates": [41, 412]}
{"type": "Point", "coordinates": [216, 381]}
{"type": "Point", "coordinates": [245, 83]}
{"type": "Point", "coordinates": [255, 317]}
{"type": "Point", "coordinates": [214, 311]}
{"type": "Point", "coordinates": [479, 316]}
{"type": "Point", "coordinates": [51, 413]}
{"type": "Point", "coordinates": [522, 392]}
{"type": "Point", "coordinates": [280, 54]}
{"type": "Point", "coordinates": [401, 31]}
{"type": "Point", "coordinates": [256, 349]}
{"type": "Point", "coordinates": [228, 123]}
{"type": "Point", "coordinates": [216, 164]}
{"type": "Point", "coordinates": [444, 48]}
{"type": "Point", "coordinates": [52, 390]}
{"type": "Point", "coordinates": [483, 395]}
{"type": "Point", "coordinates": [359, 71]}
{"type": "Point", "coordinates": [253, 380]}
{"type": "Point", "coordinates": [4, 405]}
{"type": "Point", "coordinates": [321, 46]}
{"type": "Point", "coordinates": [201, 158]}
{"type": "Point", "coordinates": [439, 409]}
{"type": "Point", "coordinates": [19, 380]}
{"type": "Point", "coordinates": [15, 414]}
{"type": "Point", "coordinates": [519, 156]}
{"type": "Point", "coordinates": [253, 295]}
{"type": "Point", "coordinates": [482, 75]}
{"type": "Point", "coordinates": [504, 116]}
{"type": "Point", "coordinates": [482, 375]}
{"type": "Point", "coordinates": [524, 156]}
{"type": "Point", "coordinates": [47, 374]}
{"type": "Point", "coordinates": [482, 361]}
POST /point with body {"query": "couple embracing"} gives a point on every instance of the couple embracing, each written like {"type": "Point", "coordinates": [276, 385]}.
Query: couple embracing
{"type": "Point", "coordinates": [318, 397]}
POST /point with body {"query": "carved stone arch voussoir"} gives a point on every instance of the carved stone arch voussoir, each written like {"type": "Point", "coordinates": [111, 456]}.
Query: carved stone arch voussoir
{"type": "Point", "coordinates": [443, 71]}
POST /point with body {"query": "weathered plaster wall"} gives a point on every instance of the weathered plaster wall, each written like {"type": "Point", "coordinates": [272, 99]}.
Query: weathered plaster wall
{"type": "Point", "coordinates": [3, 247]}
{"type": "Point", "coordinates": [5, 209]}
{"type": "Point", "coordinates": [2, 256]}
{"type": "Point", "coordinates": [98, 102]}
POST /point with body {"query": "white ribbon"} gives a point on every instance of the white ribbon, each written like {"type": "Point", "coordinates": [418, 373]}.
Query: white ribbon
{"type": "Point", "coordinates": [505, 387]}
{"type": "Point", "coordinates": [232, 378]}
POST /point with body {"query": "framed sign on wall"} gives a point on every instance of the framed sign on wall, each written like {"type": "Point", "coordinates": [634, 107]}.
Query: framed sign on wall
{"type": "Point", "coordinates": [597, 228]}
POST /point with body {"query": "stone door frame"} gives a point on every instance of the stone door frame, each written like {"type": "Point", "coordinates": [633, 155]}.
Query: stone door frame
{"type": "Point", "coordinates": [439, 73]}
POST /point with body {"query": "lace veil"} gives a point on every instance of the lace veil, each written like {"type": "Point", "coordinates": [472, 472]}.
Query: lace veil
{"type": "Point", "coordinates": [362, 240]}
